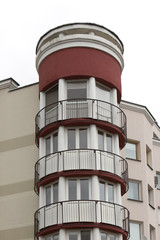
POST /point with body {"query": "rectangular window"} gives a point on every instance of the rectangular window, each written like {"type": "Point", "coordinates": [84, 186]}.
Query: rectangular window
{"type": "Point", "coordinates": [134, 190]}
{"type": "Point", "coordinates": [100, 140]}
{"type": "Point", "coordinates": [84, 184]}
{"type": "Point", "coordinates": [110, 193]}
{"type": "Point", "coordinates": [131, 150]}
{"type": "Point", "coordinates": [72, 189]}
{"type": "Point", "coordinates": [76, 90]}
{"type": "Point", "coordinates": [48, 195]}
{"type": "Point", "coordinates": [83, 138]}
{"type": "Point", "coordinates": [150, 196]}
{"type": "Point", "coordinates": [158, 178]}
{"type": "Point", "coordinates": [135, 231]}
{"type": "Point", "coordinates": [152, 232]}
{"type": "Point", "coordinates": [55, 142]}
{"type": "Point", "coordinates": [109, 143]}
{"type": "Point", "coordinates": [56, 237]}
{"type": "Point", "coordinates": [102, 191]}
{"type": "Point", "coordinates": [71, 139]}
{"type": "Point", "coordinates": [85, 235]}
{"type": "Point", "coordinates": [159, 215]}
{"type": "Point", "coordinates": [48, 145]}
{"type": "Point", "coordinates": [103, 236]}
{"type": "Point", "coordinates": [148, 156]}
{"type": "Point", "coordinates": [48, 238]}
{"type": "Point", "coordinates": [55, 192]}
{"type": "Point", "coordinates": [112, 237]}
{"type": "Point", "coordinates": [73, 236]}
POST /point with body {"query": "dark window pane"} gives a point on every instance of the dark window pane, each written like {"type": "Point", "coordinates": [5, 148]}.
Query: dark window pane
{"type": "Point", "coordinates": [48, 146]}
{"type": "Point", "coordinates": [55, 192]}
{"type": "Point", "coordinates": [71, 139]}
{"type": "Point", "coordinates": [100, 141]}
{"type": "Point", "coordinates": [83, 138]}
{"type": "Point", "coordinates": [110, 193]}
{"type": "Point", "coordinates": [73, 236]}
{"type": "Point", "coordinates": [72, 189]}
{"type": "Point", "coordinates": [102, 191]}
{"type": "Point", "coordinates": [48, 195]}
{"type": "Point", "coordinates": [103, 236]}
{"type": "Point", "coordinates": [76, 93]}
{"type": "Point", "coordinates": [85, 235]}
{"type": "Point", "coordinates": [84, 189]}
{"type": "Point", "coordinates": [55, 142]}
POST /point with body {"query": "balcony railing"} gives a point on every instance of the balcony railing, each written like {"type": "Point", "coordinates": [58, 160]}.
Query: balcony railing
{"type": "Point", "coordinates": [80, 108]}
{"type": "Point", "coordinates": [81, 159]}
{"type": "Point", "coordinates": [82, 211]}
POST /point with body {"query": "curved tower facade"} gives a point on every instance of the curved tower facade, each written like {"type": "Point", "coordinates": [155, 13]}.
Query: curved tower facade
{"type": "Point", "coordinates": [80, 176]}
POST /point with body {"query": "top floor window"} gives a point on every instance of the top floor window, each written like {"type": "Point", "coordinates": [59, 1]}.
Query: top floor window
{"type": "Point", "coordinates": [76, 90]}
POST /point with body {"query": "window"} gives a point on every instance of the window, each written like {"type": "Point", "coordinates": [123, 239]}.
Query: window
{"type": "Point", "coordinates": [77, 138]}
{"type": "Point", "coordinates": [152, 232]}
{"type": "Point", "coordinates": [134, 190]}
{"type": "Point", "coordinates": [52, 144]}
{"type": "Point", "coordinates": [106, 192]}
{"type": "Point", "coordinates": [159, 215]}
{"type": "Point", "coordinates": [76, 90]}
{"type": "Point", "coordinates": [158, 178]}
{"type": "Point", "coordinates": [52, 194]}
{"type": "Point", "coordinates": [80, 235]}
{"type": "Point", "coordinates": [150, 196]}
{"type": "Point", "coordinates": [78, 189]}
{"type": "Point", "coordinates": [148, 156]}
{"type": "Point", "coordinates": [51, 110]}
{"type": "Point", "coordinates": [107, 236]}
{"type": "Point", "coordinates": [131, 150]}
{"type": "Point", "coordinates": [104, 141]}
{"type": "Point", "coordinates": [135, 231]}
{"type": "Point", "coordinates": [54, 237]}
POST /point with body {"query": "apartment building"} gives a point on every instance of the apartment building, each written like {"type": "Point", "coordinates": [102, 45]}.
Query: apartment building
{"type": "Point", "coordinates": [64, 162]}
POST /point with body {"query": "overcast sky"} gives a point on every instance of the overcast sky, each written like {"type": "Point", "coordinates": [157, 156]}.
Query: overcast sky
{"type": "Point", "coordinates": [136, 22]}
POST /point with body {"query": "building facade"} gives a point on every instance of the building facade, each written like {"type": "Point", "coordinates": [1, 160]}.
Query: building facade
{"type": "Point", "coordinates": [65, 139]}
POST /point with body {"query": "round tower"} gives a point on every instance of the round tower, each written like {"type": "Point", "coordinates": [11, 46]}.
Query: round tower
{"type": "Point", "coordinates": [80, 129]}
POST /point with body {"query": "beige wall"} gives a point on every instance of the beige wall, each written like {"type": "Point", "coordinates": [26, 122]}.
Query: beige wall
{"type": "Point", "coordinates": [141, 126]}
{"type": "Point", "coordinates": [18, 154]}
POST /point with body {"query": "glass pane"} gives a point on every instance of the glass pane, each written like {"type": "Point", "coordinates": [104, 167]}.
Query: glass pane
{"type": "Point", "coordinates": [55, 142]}
{"type": "Point", "coordinates": [85, 235]}
{"type": "Point", "coordinates": [133, 192]}
{"type": "Point", "coordinates": [72, 189]}
{"type": "Point", "coordinates": [109, 143]}
{"type": "Point", "coordinates": [48, 146]}
{"type": "Point", "coordinates": [56, 237]}
{"type": "Point", "coordinates": [47, 238]}
{"type": "Point", "coordinates": [110, 193]}
{"type": "Point", "coordinates": [76, 90]}
{"type": "Point", "coordinates": [102, 93]}
{"type": "Point", "coordinates": [71, 139]}
{"type": "Point", "coordinates": [84, 189]}
{"type": "Point", "coordinates": [112, 237]}
{"type": "Point", "coordinates": [83, 138]}
{"type": "Point", "coordinates": [103, 236]}
{"type": "Point", "coordinates": [135, 231]}
{"type": "Point", "coordinates": [102, 191]}
{"type": "Point", "coordinates": [55, 192]}
{"type": "Point", "coordinates": [100, 141]}
{"type": "Point", "coordinates": [158, 215]}
{"type": "Point", "coordinates": [73, 236]}
{"type": "Point", "coordinates": [52, 96]}
{"type": "Point", "coordinates": [48, 195]}
{"type": "Point", "coordinates": [158, 185]}
{"type": "Point", "coordinates": [131, 150]}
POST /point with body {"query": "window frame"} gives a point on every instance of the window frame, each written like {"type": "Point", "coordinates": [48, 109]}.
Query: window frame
{"type": "Point", "coordinates": [51, 139]}
{"type": "Point", "coordinates": [78, 189]}
{"type": "Point", "coordinates": [139, 225]}
{"type": "Point", "coordinates": [139, 190]}
{"type": "Point", "coordinates": [150, 196]}
{"type": "Point", "coordinates": [106, 191]}
{"type": "Point", "coordinates": [77, 139]}
{"type": "Point", "coordinates": [136, 144]}
{"type": "Point", "coordinates": [52, 197]}
{"type": "Point", "coordinates": [82, 82]}
{"type": "Point", "coordinates": [79, 234]}
{"type": "Point", "coordinates": [158, 177]}
{"type": "Point", "coordinates": [105, 136]}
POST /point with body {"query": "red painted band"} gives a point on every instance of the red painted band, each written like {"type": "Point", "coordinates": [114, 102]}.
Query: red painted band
{"type": "Point", "coordinates": [80, 62]}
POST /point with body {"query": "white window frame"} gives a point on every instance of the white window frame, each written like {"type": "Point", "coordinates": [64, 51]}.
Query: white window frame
{"type": "Point", "coordinates": [81, 83]}
{"type": "Point", "coordinates": [78, 188]}
{"type": "Point", "coordinates": [106, 190]}
{"type": "Point", "coordinates": [51, 186]}
{"type": "Point", "coordinates": [77, 136]}
{"type": "Point", "coordinates": [105, 135]}
{"type": "Point", "coordinates": [78, 232]}
{"type": "Point", "coordinates": [158, 176]}
{"type": "Point", "coordinates": [138, 226]}
{"type": "Point", "coordinates": [51, 137]}
{"type": "Point", "coordinates": [108, 236]}
{"type": "Point", "coordinates": [139, 193]}
{"type": "Point", "coordinates": [52, 237]}
{"type": "Point", "coordinates": [136, 144]}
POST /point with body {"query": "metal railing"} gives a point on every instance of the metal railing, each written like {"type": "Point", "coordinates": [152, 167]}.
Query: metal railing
{"type": "Point", "coordinates": [80, 159]}
{"type": "Point", "coordinates": [80, 108]}
{"type": "Point", "coordinates": [88, 211]}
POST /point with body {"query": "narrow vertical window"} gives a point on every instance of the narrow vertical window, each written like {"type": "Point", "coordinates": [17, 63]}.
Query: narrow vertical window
{"type": "Point", "coordinates": [103, 236]}
{"type": "Point", "coordinates": [102, 191]}
{"type": "Point", "coordinates": [159, 215]}
{"type": "Point", "coordinates": [71, 139]}
{"type": "Point", "coordinates": [48, 145]}
{"type": "Point", "coordinates": [100, 141]}
{"type": "Point", "coordinates": [109, 143]}
{"type": "Point", "coordinates": [85, 235]}
{"type": "Point", "coordinates": [110, 193]}
{"type": "Point", "coordinates": [72, 189]}
{"type": "Point", "coordinates": [135, 231]}
{"type": "Point", "coordinates": [83, 138]}
{"type": "Point", "coordinates": [55, 192]}
{"type": "Point", "coordinates": [48, 195]}
{"type": "Point", "coordinates": [55, 142]}
{"type": "Point", "coordinates": [84, 185]}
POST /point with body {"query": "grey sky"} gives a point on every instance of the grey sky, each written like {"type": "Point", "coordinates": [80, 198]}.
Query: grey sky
{"type": "Point", "coordinates": [22, 22]}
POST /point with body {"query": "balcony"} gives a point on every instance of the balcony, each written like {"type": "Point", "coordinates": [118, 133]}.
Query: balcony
{"type": "Point", "coordinates": [90, 109]}
{"type": "Point", "coordinates": [88, 160]}
{"type": "Point", "coordinates": [89, 212]}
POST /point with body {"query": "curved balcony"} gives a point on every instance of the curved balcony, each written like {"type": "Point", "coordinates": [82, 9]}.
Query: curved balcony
{"type": "Point", "coordinates": [92, 213]}
{"type": "Point", "coordinates": [90, 109]}
{"type": "Point", "coordinates": [79, 160]}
